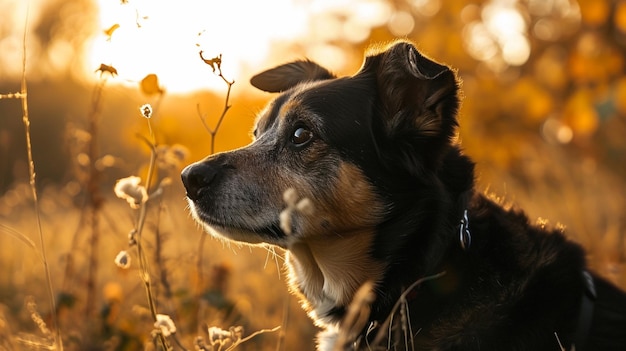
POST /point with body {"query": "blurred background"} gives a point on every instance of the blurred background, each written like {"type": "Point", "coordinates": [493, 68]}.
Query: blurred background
{"type": "Point", "coordinates": [543, 115]}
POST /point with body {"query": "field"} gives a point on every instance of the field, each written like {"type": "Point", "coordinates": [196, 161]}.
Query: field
{"type": "Point", "coordinates": [100, 260]}
{"type": "Point", "coordinates": [201, 282]}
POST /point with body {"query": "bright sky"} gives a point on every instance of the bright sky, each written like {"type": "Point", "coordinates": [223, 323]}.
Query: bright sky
{"type": "Point", "coordinates": [164, 37]}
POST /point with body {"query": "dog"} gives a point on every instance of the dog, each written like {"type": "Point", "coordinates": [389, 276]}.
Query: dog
{"type": "Point", "coordinates": [362, 181]}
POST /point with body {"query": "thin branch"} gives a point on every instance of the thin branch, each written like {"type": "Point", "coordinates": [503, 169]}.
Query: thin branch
{"type": "Point", "coordinates": [94, 197]}
{"type": "Point", "coordinates": [141, 220]}
{"type": "Point", "coordinates": [33, 186]}
{"type": "Point", "coordinates": [258, 332]}
{"type": "Point", "coordinates": [16, 234]}
{"type": "Point", "coordinates": [216, 65]}
{"type": "Point", "coordinates": [389, 321]}
{"type": "Point", "coordinates": [285, 322]}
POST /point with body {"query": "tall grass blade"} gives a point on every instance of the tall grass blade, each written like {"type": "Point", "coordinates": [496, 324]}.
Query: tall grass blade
{"type": "Point", "coordinates": [33, 186]}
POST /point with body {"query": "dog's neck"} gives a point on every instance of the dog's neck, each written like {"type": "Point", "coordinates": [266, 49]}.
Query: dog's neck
{"type": "Point", "coordinates": [329, 270]}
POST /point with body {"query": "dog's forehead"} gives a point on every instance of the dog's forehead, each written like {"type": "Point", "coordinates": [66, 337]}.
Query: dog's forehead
{"type": "Point", "coordinates": [271, 111]}
{"type": "Point", "coordinates": [289, 102]}
{"type": "Point", "coordinates": [330, 98]}
{"type": "Point", "coordinates": [340, 111]}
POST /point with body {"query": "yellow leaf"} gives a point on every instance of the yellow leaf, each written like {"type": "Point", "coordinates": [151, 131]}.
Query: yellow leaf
{"type": "Point", "coordinates": [150, 85]}
{"type": "Point", "coordinates": [109, 32]}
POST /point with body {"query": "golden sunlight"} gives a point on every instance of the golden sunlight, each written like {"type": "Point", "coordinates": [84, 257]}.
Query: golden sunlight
{"type": "Point", "coordinates": [143, 37]}
{"type": "Point", "coordinates": [165, 37]}
{"type": "Point", "coordinates": [498, 33]}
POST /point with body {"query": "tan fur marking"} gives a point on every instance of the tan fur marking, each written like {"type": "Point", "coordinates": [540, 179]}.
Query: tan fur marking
{"type": "Point", "coordinates": [330, 262]}
{"type": "Point", "coordinates": [352, 206]}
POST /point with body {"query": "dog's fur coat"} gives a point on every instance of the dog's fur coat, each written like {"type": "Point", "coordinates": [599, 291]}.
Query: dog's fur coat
{"type": "Point", "coordinates": [377, 190]}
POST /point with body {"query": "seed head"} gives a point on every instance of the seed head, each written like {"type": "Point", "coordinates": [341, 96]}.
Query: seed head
{"type": "Point", "coordinates": [146, 110]}
{"type": "Point", "coordinates": [219, 336]}
{"type": "Point", "coordinates": [285, 221]}
{"type": "Point", "coordinates": [129, 189]}
{"type": "Point", "coordinates": [122, 259]}
{"type": "Point", "coordinates": [290, 196]}
{"type": "Point", "coordinates": [165, 325]}
{"type": "Point", "coordinates": [305, 206]}
{"type": "Point", "coordinates": [132, 240]}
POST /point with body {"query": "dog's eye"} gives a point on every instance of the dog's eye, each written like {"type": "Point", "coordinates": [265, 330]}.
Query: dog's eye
{"type": "Point", "coordinates": [301, 136]}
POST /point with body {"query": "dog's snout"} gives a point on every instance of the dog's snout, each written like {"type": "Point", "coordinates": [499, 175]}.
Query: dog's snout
{"type": "Point", "coordinates": [198, 177]}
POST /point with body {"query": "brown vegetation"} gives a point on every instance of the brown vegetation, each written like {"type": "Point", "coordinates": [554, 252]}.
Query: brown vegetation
{"type": "Point", "coordinates": [547, 133]}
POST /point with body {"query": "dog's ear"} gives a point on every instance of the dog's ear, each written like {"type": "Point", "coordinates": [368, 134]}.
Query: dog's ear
{"type": "Point", "coordinates": [286, 76]}
{"type": "Point", "coordinates": [419, 100]}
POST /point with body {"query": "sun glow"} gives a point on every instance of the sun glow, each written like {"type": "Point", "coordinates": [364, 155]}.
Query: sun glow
{"type": "Point", "coordinates": [165, 38]}
{"type": "Point", "coordinates": [141, 37]}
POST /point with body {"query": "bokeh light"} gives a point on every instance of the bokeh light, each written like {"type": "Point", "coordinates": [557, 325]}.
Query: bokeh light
{"type": "Point", "coordinates": [498, 33]}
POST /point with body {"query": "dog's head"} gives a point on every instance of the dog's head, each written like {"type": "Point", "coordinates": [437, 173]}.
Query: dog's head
{"type": "Point", "coordinates": [356, 148]}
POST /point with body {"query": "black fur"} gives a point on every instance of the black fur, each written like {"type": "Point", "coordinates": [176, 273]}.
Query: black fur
{"type": "Point", "coordinates": [516, 287]}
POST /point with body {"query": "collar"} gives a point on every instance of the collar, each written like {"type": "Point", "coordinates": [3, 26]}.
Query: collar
{"type": "Point", "coordinates": [465, 237]}
{"type": "Point", "coordinates": [585, 315]}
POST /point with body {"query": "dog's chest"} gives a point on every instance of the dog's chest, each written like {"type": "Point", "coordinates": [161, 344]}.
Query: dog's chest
{"type": "Point", "coordinates": [329, 272]}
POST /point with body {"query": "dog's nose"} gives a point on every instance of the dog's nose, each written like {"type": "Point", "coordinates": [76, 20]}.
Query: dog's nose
{"type": "Point", "coordinates": [197, 177]}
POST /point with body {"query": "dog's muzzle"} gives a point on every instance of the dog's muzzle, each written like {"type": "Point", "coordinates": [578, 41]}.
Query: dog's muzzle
{"type": "Point", "coordinates": [198, 177]}
{"type": "Point", "coordinates": [227, 216]}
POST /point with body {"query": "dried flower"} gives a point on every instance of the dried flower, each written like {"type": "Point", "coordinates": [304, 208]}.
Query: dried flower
{"type": "Point", "coordinates": [294, 205]}
{"type": "Point", "coordinates": [131, 237]}
{"type": "Point", "coordinates": [220, 336]}
{"type": "Point", "coordinates": [285, 220]}
{"type": "Point", "coordinates": [179, 151]}
{"type": "Point", "coordinates": [170, 157]}
{"type": "Point", "coordinates": [146, 110]}
{"type": "Point", "coordinates": [31, 306]}
{"type": "Point", "coordinates": [290, 196]}
{"type": "Point", "coordinates": [122, 259]}
{"type": "Point", "coordinates": [129, 189]}
{"type": "Point", "coordinates": [165, 325]}
{"type": "Point", "coordinates": [305, 206]}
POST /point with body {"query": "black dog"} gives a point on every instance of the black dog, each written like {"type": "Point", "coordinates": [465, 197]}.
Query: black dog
{"type": "Point", "coordinates": [360, 180]}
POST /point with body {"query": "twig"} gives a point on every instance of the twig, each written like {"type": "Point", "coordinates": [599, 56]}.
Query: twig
{"type": "Point", "coordinates": [33, 186]}
{"type": "Point", "coordinates": [94, 197]}
{"type": "Point", "coordinates": [16, 234]}
{"type": "Point", "coordinates": [141, 220]}
{"type": "Point", "coordinates": [216, 65]}
{"type": "Point", "coordinates": [158, 254]}
{"type": "Point", "coordinates": [199, 269]}
{"type": "Point", "coordinates": [180, 345]}
{"type": "Point", "coordinates": [356, 316]}
{"type": "Point", "coordinates": [388, 322]}
{"type": "Point", "coordinates": [258, 332]}
{"type": "Point", "coordinates": [283, 330]}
